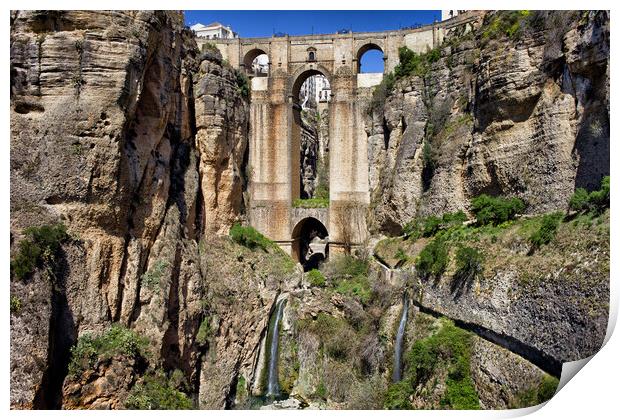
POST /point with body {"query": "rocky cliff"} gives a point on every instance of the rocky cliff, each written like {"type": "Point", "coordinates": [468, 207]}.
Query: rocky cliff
{"type": "Point", "coordinates": [518, 107]}
{"type": "Point", "coordinates": [135, 142]}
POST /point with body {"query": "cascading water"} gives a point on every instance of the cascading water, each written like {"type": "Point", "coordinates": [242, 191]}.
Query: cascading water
{"type": "Point", "coordinates": [398, 345]}
{"type": "Point", "coordinates": [273, 386]}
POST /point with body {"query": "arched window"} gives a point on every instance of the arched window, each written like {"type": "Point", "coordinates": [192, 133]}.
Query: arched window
{"type": "Point", "coordinates": [311, 56]}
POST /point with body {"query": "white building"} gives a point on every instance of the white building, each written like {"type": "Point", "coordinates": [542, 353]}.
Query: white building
{"type": "Point", "coordinates": [449, 14]}
{"type": "Point", "coordinates": [213, 30]}
{"type": "Point", "coordinates": [314, 91]}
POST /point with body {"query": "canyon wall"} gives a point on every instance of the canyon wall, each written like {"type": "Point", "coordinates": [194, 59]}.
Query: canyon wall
{"type": "Point", "coordinates": [525, 115]}
{"type": "Point", "coordinates": [125, 133]}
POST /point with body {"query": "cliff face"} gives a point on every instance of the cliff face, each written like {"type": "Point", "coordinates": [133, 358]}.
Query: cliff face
{"type": "Point", "coordinates": [525, 116]}
{"type": "Point", "coordinates": [121, 131]}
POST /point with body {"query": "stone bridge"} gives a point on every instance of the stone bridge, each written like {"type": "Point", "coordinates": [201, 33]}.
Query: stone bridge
{"type": "Point", "coordinates": [274, 162]}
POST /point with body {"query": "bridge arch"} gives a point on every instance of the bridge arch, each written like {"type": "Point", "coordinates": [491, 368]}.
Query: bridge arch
{"type": "Point", "coordinates": [249, 58]}
{"type": "Point", "coordinates": [298, 78]}
{"type": "Point", "coordinates": [371, 46]}
{"type": "Point", "coordinates": [310, 242]}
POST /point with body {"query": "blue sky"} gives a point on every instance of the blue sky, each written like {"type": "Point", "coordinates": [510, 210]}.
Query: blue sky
{"type": "Point", "coordinates": [255, 23]}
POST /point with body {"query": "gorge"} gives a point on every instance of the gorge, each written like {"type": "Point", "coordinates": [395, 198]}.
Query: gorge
{"type": "Point", "coordinates": [164, 255]}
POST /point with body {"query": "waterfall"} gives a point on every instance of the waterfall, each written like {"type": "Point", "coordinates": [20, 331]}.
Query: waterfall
{"type": "Point", "coordinates": [273, 386]}
{"type": "Point", "coordinates": [398, 345]}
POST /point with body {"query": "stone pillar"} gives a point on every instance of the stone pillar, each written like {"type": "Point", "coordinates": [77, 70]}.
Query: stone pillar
{"type": "Point", "coordinates": [348, 169]}
{"type": "Point", "coordinates": [270, 160]}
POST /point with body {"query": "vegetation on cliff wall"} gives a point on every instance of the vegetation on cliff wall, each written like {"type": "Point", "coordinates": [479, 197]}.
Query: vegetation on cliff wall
{"type": "Point", "coordinates": [38, 248]}
{"type": "Point", "coordinates": [447, 350]}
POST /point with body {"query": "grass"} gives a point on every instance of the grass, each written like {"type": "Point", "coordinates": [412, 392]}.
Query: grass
{"type": "Point", "coordinates": [505, 24]}
{"type": "Point", "coordinates": [117, 340]}
{"type": "Point", "coordinates": [38, 248]}
{"type": "Point", "coordinates": [538, 394]}
{"type": "Point", "coordinates": [250, 237]}
{"type": "Point", "coordinates": [16, 305]}
{"type": "Point", "coordinates": [397, 396]}
{"type": "Point", "coordinates": [317, 279]}
{"type": "Point", "coordinates": [311, 203]}
{"type": "Point", "coordinates": [349, 276]}
{"type": "Point", "coordinates": [152, 278]}
{"type": "Point", "coordinates": [156, 392]}
{"type": "Point", "coordinates": [547, 230]}
{"type": "Point", "coordinates": [431, 225]}
{"type": "Point", "coordinates": [595, 202]}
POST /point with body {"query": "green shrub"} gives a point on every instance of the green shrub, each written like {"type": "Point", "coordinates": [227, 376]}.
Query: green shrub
{"type": "Point", "coordinates": [505, 23]}
{"type": "Point", "coordinates": [117, 340]}
{"type": "Point", "coordinates": [381, 92]}
{"type": "Point", "coordinates": [16, 305]}
{"type": "Point", "coordinates": [243, 84]}
{"type": "Point", "coordinates": [451, 347]}
{"type": "Point", "coordinates": [431, 225]}
{"type": "Point", "coordinates": [311, 203]}
{"type": "Point", "coordinates": [397, 396]}
{"type": "Point", "coordinates": [433, 259]}
{"type": "Point", "coordinates": [580, 200]}
{"type": "Point", "coordinates": [155, 392]}
{"type": "Point", "coordinates": [495, 210]}
{"type": "Point", "coordinates": [538, 394]}
{"type": "Point", "coordinates": [321, 391]}
{"type": "Point", "coordinates": [358, 286]}
{"type": "Point", "coordinates": [595, 202]}
{"type": "Point", "coordinates": [401, 256]}
{"type": "Point", "coordinates": [547, 230]}
{"type": "Point", "coordinates": [249, 237]}
{"type": "Point", "coordinates": [204, 332]}
{"type": "Point", "coordinates": [317, 279]}
{"type": "Point", "coordinates": [469, 264]}
{"type": "Point", "coordinates": [38, 247]}
{"type": "Point", "coordinates": [412, 63]}
{"type": "Point", "coordinates": [152, 278]}
{"type": "Point", "coordinates": [349, 276]}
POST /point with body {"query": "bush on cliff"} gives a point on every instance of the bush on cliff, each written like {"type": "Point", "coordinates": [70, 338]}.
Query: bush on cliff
{"type": "Point", "coordinates": [249, 237]}
{"type": "Point", "coordinates": [433, 259]}
{"type": "Point", "coordinates": [537, 394]}
{"type": "Point", "coordinates": [118, 340]}
{"type": "Point", "coordinates": [38, 248]}
{"type": "Point", "coordinates": [432, 225]}
{"type": "Point", "coordinates": [469, 265]}
{"type": "Point", "coordinates": [316, 278]}
{"type": "Point", "coordinates": [547, 230]}
{"type": "Point", "coordinates": [595, 202]}
{"type": "Point", "coordinates": [156, 392]}
{"type": "Point", "coordinates": [449, 348]}
{"type": "Point", "coordinates": [495, 210]}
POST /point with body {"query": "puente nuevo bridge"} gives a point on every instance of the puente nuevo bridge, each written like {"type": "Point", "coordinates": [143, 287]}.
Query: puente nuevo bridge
{"type": "Point", "coordinates": [275, 125]}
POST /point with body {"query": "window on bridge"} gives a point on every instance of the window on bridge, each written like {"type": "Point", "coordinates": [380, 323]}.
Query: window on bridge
{"type": "Point", "coordinates": [370, 59]}
{"type": "Point", "coordinates": [311, 127]}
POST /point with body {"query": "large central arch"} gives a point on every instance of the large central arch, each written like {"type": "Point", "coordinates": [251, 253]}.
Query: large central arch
{"type": "Point", "coordinates": [296, 82]}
